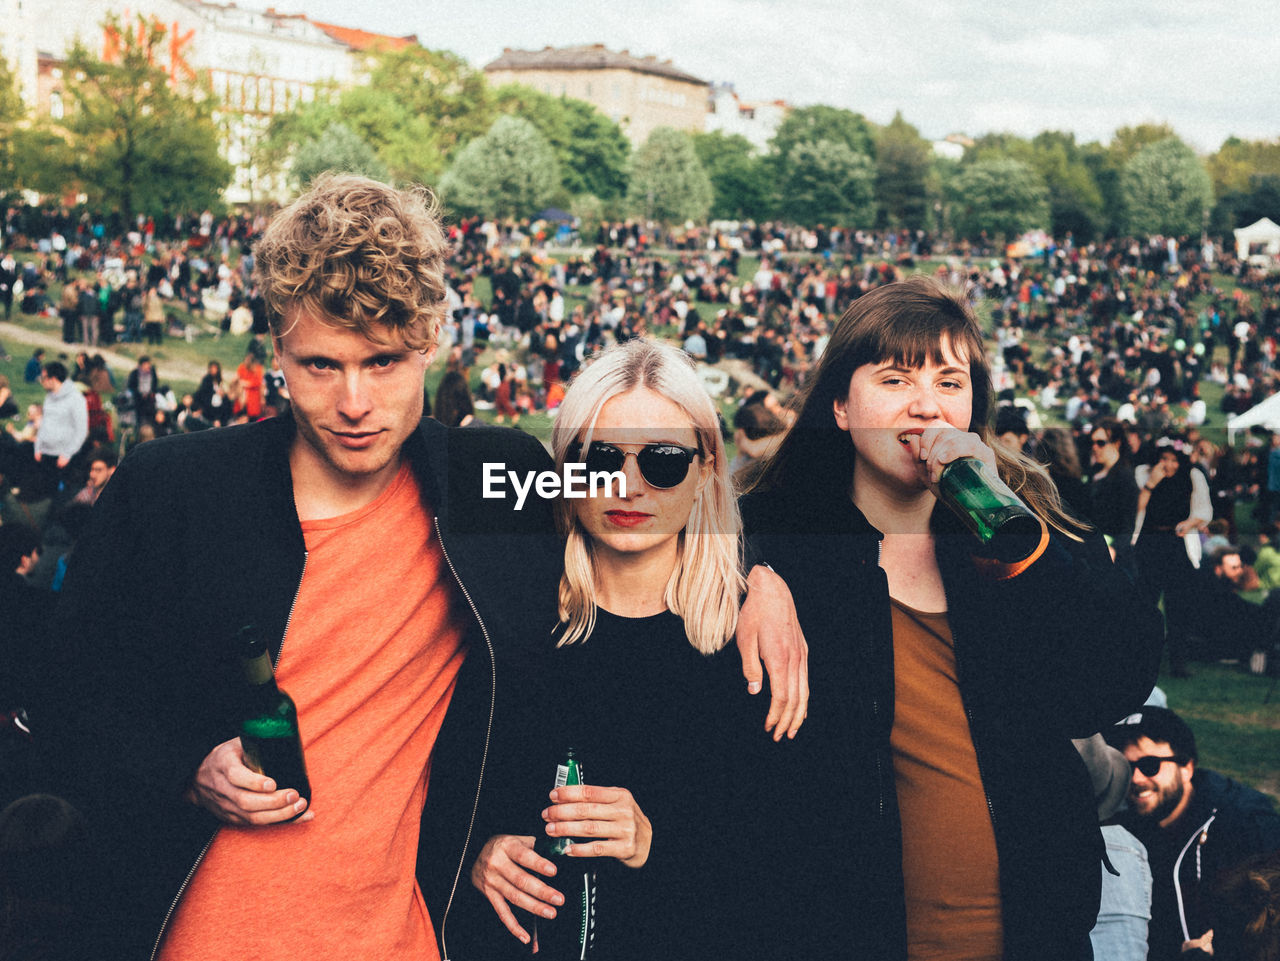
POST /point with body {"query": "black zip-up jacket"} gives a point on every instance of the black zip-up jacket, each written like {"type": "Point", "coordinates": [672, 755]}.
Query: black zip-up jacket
{"type": "Point", "coordinates": [196, 536]}
{"type": "Point", "coordinates": [1225, 823]}
{"type": "Point", "coordinates": [1056, 652]}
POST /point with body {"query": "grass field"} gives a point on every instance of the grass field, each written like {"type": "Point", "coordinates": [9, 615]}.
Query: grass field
{"type": "Point", "coordinates": [1237, 731]}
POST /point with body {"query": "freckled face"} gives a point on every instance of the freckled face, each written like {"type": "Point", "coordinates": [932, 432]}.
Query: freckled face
{"type": "Point", "coordinates": [887, 402]}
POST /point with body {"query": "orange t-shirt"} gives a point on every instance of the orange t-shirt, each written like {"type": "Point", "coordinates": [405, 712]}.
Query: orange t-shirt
{"type": "Point", "coordinates": [371, 657]}
{"type": "Point", "coordinates": [950, 869]}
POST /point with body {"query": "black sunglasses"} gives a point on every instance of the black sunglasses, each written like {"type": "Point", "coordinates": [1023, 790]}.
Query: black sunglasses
{"type": "Point", "coordinates": [1103, 442]}
{"type": "Point", "coordinates": [661, 465]}
{"type": "Point", "coordinates": [1150, 764]}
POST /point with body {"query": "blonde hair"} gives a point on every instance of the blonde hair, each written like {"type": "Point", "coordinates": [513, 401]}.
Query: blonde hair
{"type": "Point", "coordinates": [706, 584]}
{"type": "Point", "coordinates": [358, 254]}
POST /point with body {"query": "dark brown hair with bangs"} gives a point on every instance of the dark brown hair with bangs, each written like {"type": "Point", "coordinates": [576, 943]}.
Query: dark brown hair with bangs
{"type": "Point", "coordinates": [907, 323]}
{"type": "Point", "coordinates": [356, 253]}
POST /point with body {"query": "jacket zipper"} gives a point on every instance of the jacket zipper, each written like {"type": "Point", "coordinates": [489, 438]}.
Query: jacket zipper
{"type": "Point", "coordinates": [1196, 835]}
{"type": "Point", "coordinates": [493, 693]}
{"type": "Point", "coordinates": [186, 882]}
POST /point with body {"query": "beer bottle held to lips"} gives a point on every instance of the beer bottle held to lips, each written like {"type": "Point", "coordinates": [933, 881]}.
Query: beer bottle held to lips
{"type": "Point", "coordinates": [571, 933]}
{"type": "Point", "coordinates": [993, 513]}
{"type": "Point", "coordinates": [269, 725]}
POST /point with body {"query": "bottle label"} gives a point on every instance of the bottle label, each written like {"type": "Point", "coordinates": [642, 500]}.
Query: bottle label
{"type": "Point", "coordinates": [562, 775]}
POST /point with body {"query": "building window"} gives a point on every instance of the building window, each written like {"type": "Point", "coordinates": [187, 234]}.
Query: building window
{"type": "Point", "coordinates": [617, 91]}
{"type": "Point", "coordinates": [56, 109]}
{"type": "Point", "coordinates": [588, 88]}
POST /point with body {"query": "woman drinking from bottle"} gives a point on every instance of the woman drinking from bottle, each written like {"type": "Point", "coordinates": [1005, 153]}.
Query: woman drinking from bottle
{"type": "Point", "coordinates": [943, 809]}
{"type": "Point", "coordinates": [635, 686]}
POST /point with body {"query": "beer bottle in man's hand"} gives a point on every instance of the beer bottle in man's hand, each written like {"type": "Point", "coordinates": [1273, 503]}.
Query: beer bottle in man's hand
{"type": "Point", "coordinates": [571, 934]}
{"type": "Point", "coordinates": [269, 726]}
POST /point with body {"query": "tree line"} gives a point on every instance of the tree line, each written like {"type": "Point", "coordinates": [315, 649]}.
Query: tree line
{"type": "Point", "coordinates": [131, 144]}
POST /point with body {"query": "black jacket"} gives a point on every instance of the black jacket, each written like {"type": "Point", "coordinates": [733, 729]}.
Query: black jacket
{"type": "Point", "coordinates": [1057, 652]}
{"type": "Point", "coordinates": [1224, 824]}
{"type": "Point", "coordinates": [146, 685]}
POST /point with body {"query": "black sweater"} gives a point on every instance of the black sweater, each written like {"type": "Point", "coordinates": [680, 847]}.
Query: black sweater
{"type": "Point", "coordinates": [644, 710]}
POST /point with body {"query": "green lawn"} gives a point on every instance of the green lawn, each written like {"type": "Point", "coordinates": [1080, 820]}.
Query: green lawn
{"type": "Point", "coordinates": [1236, 732]}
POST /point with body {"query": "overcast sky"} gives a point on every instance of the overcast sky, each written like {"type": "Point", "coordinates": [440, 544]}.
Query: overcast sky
{"type": "Point", "coordinates": [1207, 67]}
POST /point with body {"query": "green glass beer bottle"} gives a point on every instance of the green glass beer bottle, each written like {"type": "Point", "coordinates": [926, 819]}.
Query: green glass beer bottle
{"type": "Point", "coordinates": [269, 725]}
{"type": "Point", "coordinates": [571, 934]}
{"type": "Point", "coordinates": [993, 513]}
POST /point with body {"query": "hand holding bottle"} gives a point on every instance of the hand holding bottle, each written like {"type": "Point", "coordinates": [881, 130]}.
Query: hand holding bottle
{"type": "Point", "coordinates": [232, 792]}
{"type": "Point", "coordinates": [936, 447]}
{"type": "Point", "coordinates": [604, 822]}
{"type": "Point", "coordinates": [962, 472]}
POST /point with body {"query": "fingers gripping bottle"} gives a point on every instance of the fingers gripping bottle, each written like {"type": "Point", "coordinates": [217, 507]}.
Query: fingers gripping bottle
{"type": "Point", "coordinates": [269, 724]}
{"type": "Point", "coordinates": [571, 934]}
{"type": "Point", "coordinates": [993, 513]}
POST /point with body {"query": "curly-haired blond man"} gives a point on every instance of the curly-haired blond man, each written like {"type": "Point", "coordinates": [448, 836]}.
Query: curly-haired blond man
{"type": "Point", "coordinates": [354, 537]}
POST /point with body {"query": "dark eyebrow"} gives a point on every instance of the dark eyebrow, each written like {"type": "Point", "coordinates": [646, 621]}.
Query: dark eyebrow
{"type": "Point", "coordinates": [907, 368]}
{"type": "Point", "coordinates": [312, 358]}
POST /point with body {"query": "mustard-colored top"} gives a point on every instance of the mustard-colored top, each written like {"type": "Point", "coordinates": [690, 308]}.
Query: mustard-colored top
{"type": "Point", "coordinates": [949, 862]}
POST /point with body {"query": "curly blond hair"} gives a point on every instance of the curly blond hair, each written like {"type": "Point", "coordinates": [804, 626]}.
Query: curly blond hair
{"type": "Point", "coordinates": [358, 254]}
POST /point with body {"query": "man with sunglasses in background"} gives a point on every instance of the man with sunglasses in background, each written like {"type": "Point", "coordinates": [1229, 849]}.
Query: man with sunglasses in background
{"type": "Point", "coordinates": [1195, 823]}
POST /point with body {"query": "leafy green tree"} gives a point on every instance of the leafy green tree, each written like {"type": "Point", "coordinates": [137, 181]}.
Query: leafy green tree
{"type": "Point", "coordinates": [999, 197]}
{"type": "Point", "coordinates": [1075, 201]}
{"type": "Point", "coordinates": [832, 124]}
{"type": "Point", "coordinates": [1166, 190]}
{"type": "Point", "coordinates": [1127, 141]}
{"type": "Point", "coordinates": [591, 149]}
{"type": "Point", "coordinates": [12, 111]}
{"type": "Point", "coordinates": [668, 182]}
{"type": "Point", "coordinates": [903, 159]}
{"type": "Point", "coordinates": [415, 110]}
{"type": "Point", "coordinates": [338, 148]}
{"type": "Point", "coordinates": [33, 155]}
{"type": "Point", "coordinates": [1245, 176]}
{"type": "Point", "coordinates": [138, 143]}
{"type": "Point", "coordinates": [288, 131]}
{"type": "Point", "coordinates": [511, 171]}
{"type": "Point", "coordinates": [829, 183]}
{"type": "Point", "coordinates": [1106, 164]}
{"type": "Point", "coordinates": [739, 177]}
{"type": "Point", "coordinates": [444, 103]}
{"type": "Point", "coordinates": [1099, 162]}
{"type": "Point", "coordinates": [992, 146]}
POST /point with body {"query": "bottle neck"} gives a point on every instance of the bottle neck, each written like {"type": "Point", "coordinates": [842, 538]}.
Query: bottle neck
{"type": "Point", "coordinates": [258, 672]}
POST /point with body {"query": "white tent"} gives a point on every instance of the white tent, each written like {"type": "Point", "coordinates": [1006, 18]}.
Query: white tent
{"type": "Point", "coordinates": [1262, 237]}
{"type": "Point", "coordinates": [1265, 414]}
